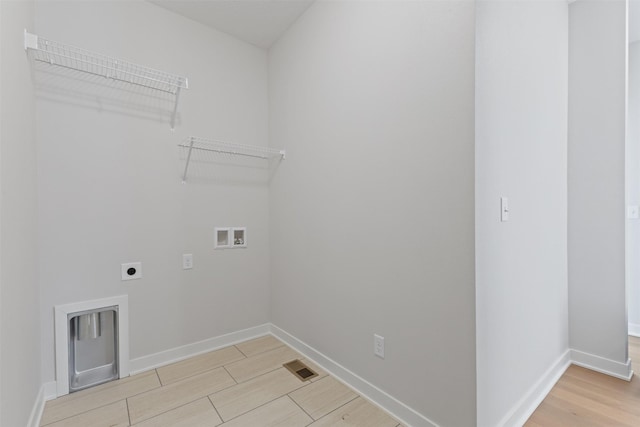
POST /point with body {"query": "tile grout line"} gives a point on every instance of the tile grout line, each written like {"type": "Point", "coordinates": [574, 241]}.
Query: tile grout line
{"type": "Point", "coordinates": [259, 406]}
{"type": "Point", "coordinates": [82, 413]}
{"type": "Point", "coordinates": [268, 351]}
{"type": "Point", "coordinates": [279, 397]}
{"type": "Point", "coordinates": [128, 413]}
{"type": "Point", "coordinates": [251, 410]}
{"type": "Point", "coordinates": [184, 404]}
{"type": "Point", "coordinates": [298, 405]}
{"type": "Point", "coordinates": [199, 373]}
{"type": "Point", "coordinates": [158, 376]}
{"type": "Point", "coordinates": [280, 365]}
{"type": "Point", "coordinates": [109, 385]}
{"type": "Point", "coordinates": [224, 365]}
{"type": "Point", "coordinates": [93, 393]}
{"type": "Point", "coordinates": [229, 373]}
{"type": "Point", "coordinates": [262, 351]}
{"type": "Point", "coordinates": [257, 376]}
{"type": "Point", "coordinates": [198, 355]}
{"type": "Point", "coordinates": [215, 409]}
{"type": "Point", "coordinates": [238, 348]}
{"type": "Point", "coordinates": [173, 409]}
{"type": "Point", "coordinates": [341, 406]}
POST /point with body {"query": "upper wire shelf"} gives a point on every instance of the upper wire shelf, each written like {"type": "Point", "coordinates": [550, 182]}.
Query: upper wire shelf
{"type": "Point", "coordinates": [217, 146]}
{"type": "Point", "coordinates": [74, 58]}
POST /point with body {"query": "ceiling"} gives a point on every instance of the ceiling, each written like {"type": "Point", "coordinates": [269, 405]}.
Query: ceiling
{"type": "Point", "coordinates": [262, 22]}
{"type": "Point", "coordinates": [259, 22]}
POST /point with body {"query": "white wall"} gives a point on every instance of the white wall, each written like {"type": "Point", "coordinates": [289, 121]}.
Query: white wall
{"type": "Point", "coordinates": [521, 153]}
{"type": "Point", "coordinates": [19, 314]}
{"type": "Point", "coordinates": [597, 66]}
{"type": "Point", "coordinates": [633, 184]}
{"type": "Point", "coordinates": [371, 215]}
{"type": "Point", "coordinates": [109, 177]}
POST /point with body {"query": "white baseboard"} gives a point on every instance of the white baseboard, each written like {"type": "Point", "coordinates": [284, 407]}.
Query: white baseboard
{"type": "Point", "coordinates": [38, 407]}
{"type": "Point", "coordinates": [634, 330]}
{"type": "Point", "coordinates": [393, 406]}
{"type": "Point", "coordinates": [602, 365]}
{"type": "Point", "coordinates": [522, 410]}
{"type": "Point", "coordinates": [152, 361]}
{"type": "Point", "coordinates": [47, 392]}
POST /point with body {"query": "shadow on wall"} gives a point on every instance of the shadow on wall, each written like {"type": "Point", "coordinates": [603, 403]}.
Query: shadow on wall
{"type": "Point", "coordinates": [62, 84]}
{"type": "Point", "coordinates": [58, 84]}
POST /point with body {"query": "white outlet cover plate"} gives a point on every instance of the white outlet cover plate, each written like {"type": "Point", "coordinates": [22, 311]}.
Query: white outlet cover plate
{"type": "Point", "coordinates": [378, 346]}
{"type": "Point", "coordinates": [504, 209]}
{"type": "Point", "coordinates": [125, 274]}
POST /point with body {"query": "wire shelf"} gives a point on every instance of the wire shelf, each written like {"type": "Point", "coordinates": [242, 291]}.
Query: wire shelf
{"type": "Point", "coordinates": [223, 147]}
{"type": "Point", "coordinates": [74, 58]}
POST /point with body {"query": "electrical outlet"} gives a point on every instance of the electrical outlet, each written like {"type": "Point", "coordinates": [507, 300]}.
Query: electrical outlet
{"type": "Point", "coordinates": [187, 261]}
{"type": "Point", "coordinates": [131, 271]}
{"type": "Point", "coordinates": [378, 346]}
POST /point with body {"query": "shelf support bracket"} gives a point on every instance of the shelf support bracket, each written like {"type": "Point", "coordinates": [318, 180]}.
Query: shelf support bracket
{"type": "Point", "coordinates": [30, 40]}
{"type": "Point", "coordinates": [175, 110]}
{"type": "Point", "coordinates": [186, 165]}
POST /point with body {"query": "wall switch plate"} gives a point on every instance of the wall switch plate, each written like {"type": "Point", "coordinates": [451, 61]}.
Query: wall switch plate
{"type": "Point", "coordinates": [504, 209]}
{"type": "Point", "coordinates": [131, 271]}
{"type": "Point", "coordinates": [633, 212]}
{"type": "Point", "coordinates": [187, 261]}
{"type": "Point", "coordinates": [378, 346]}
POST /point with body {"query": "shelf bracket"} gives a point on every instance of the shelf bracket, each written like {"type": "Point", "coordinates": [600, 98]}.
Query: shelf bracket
{"type": "Point", "coordinates": [30, 40]}
{"type": "Point", "coordinates": [186, 165]}
{"type": "Point", "coordinates": [175, 111]}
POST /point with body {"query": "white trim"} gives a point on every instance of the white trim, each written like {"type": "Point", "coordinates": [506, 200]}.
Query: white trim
{"type": "Point", "coordinates": [634, 330]}
{"type": "Point", "coordinates": [38, 407]}
{"type": "Point", "coordinates": [62, 336]}
{"type": "Point", "coordinates": [152, 361]}
{"type": "Point", "coordinates": [526, 406]}
{"type": "Point", "coordinates": [47, 392]}
{"type": "Point", "coordinates": [602, 365]}
{"type": "Point", "coordinates": [50, 390]}
{"type": "Point", "coordinates": [393, 406]}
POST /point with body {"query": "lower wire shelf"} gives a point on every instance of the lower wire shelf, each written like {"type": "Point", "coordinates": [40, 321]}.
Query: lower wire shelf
{"type": "Point", "coordinates": [204, 144]}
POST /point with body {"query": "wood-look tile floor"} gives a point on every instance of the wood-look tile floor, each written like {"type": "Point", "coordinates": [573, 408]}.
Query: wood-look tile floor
{"type": "Point", "coordinates": [584, 398]}
{"type": "Point", "coordinates": [243, 385]}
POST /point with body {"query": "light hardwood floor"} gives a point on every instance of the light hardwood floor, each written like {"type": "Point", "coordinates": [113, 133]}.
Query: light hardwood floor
{"type": "Point", "coordinates": [584, 398]}
{"type": "Point", "coordinates": [238, 386]}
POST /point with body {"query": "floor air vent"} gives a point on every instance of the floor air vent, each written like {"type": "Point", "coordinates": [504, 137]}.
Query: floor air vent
{"type": "Point", "coordinates": [300, 370]}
